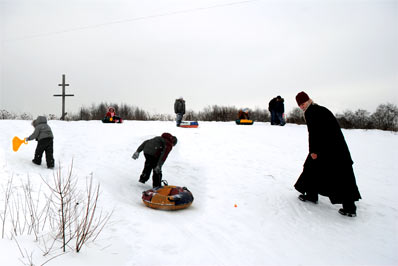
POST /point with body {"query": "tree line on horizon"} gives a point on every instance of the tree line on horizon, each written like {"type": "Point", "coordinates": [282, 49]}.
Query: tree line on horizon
{"type": "Point", "coordinates": [384, 118]}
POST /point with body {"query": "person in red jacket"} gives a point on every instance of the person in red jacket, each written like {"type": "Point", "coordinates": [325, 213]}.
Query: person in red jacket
{"type": "Point", "coordinates": [111, 115]}
{"type": "Point", "coordinates": [156, 151]}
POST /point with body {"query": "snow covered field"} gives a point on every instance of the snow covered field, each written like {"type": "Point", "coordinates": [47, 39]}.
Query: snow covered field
{"type": "Point", "coordinates": [254, 167]}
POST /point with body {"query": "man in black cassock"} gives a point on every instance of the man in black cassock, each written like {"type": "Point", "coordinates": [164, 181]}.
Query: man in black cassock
{"type": "Point", "coordinates": [328, 168]}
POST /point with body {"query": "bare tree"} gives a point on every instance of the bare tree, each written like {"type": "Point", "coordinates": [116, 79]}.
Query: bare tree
{"type": "Point", "coordinates": [4, 114]}
{"type": "Point", "coordinates": [26, 116]}
{"type": "Point", "coordinates": [260, 115]}
{"type": "Point", "coordinates": [77, 212]}
{"type": "Point", "coordinates": [7, 195]}
{"type": "Point", "coordinates": [296, 116]}
{"type": "Point", "coordinates": [63, 189]}
{"type": "Point", "coordinates": [88, 225]}
{"type": "Point", "coordinates": [386, 117]}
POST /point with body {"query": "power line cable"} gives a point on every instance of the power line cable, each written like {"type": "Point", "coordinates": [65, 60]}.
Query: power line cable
{"type": "Point", "coordinates": [171, 13]}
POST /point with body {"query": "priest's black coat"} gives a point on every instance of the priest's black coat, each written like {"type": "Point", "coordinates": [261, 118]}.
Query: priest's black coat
{"type": "Point", "coordinates": [331, 174]}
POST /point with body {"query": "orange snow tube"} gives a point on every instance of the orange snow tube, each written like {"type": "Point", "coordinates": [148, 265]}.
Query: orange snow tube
{"type": "Point", "coordinates": [168, 198]}
{"type": "Point", "coordinates": [244, 122]}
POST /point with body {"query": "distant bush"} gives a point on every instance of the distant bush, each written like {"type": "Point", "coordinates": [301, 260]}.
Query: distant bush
{"type": "Point", "coordinates": [4, 114]}
{"type": "Point", "coordinates": [26, 116]}
{"type": "Point", "coordinates": [385, 117]}
{"type": "Point", "coordinates": [210, 113]}
{"type": "Point", "coordinates": [62, 216]}
{"type": "Point", "coordinates": [260, 115]}
{"type": "Point", "coordinates": [296, 116]}
{"type": "Point", "coordinates": [190, 115]}
{"type": "Point", "coordinates": [218, 113]}
{"type": "Point", "coordinates": [359, 119]}
{"type": "Point", "coordinates": [160, 117]}
{"type": "Point", "coordinates": [98, 112]}
{"type": "Point", "coordinates": [225, 113]}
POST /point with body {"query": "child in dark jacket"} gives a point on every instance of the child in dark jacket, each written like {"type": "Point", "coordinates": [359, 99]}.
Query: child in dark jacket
{"type": "Point", "coordinates": [156, 151]}
{"type": "Point", "coordinates": [44, 138]}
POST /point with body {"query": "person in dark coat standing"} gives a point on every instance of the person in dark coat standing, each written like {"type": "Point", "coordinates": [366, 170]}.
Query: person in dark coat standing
{"type": "Point", "coordinates": [156, 151]}
{"type": "Point", "coordinates": [44, 137]}
{"type": "Point", "coordinates": [328, 168]}
{"type": "Point", "coordinates": [179, 109]}
{"type": "Point", "coordinates": [277, 108]}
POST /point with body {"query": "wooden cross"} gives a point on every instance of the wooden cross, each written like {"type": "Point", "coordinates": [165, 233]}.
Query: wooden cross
{"type": "Point", "coordinates": [63, 96]}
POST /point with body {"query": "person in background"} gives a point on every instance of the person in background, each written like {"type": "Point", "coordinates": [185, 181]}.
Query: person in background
{"type": "Point", "coordinates": [243, 114]}
{"type": "Point", "coordinates": [328, 168]}
{"type": "Point", "coordinates": [111, 115]}
{"type": "Point", "coordinates": [45, 141]}
{"type": "Point", "coordinates": [156, 151]}
{"type": "Point", "coordinates": [277, 109]}
{"type": "Point", "coordinates": [179, 109]}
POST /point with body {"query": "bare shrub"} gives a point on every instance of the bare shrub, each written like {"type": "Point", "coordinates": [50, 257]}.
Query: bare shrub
{"type": "Point", "coordinates": [23, 211]}
{"type": "Point", "coordinates": [362, 119]}
{"type": "Point", "coordinates": [346, 119]}
{"type": "Point", "coordinates": [84, 114]}
{"type": "Point", "coordinates": [25, 116]}
{"type": "Point", "coordinates": [296, 116]}
{"type": "Point", "coordinates": [76, 217]}
{"type": "Point", "coordinates": [191, 115]}
{"type": "Point", "coordinates": [386, 117]}
{"type": "Point", "coordinates": [4, 114]}
{"type": "Point", "coordinates": [7, 194]}
{"type": "Point", "coordinates": [67, 214]}
{"type": "Point", "coordinates": [88, 225]}
{"type": "Point", "coordinates": [63, 190]}
{"type": "Point", "coordinates": [260, 115]}
{"type": "Point", "coordinates": [218, 113]}
{"type": "Point", "coordinates": [98, 112]}
{"type": "Point", "coordinates": [52, 117]}
{"type": "Point", "coordinates": [161, 117]}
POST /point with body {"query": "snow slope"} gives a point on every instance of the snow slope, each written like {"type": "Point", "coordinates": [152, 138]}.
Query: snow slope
{"type": "Point", "coordinates": [254, 167]}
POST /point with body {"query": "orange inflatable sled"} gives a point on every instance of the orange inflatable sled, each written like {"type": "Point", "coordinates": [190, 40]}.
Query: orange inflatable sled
{"type": "Point", "coordinates": [17, 142]}
{"type": "Point", "coordinates": [168, 198]}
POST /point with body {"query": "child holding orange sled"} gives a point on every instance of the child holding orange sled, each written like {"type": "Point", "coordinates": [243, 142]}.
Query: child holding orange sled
{"type": "Point", "coordinates": [44, 137]}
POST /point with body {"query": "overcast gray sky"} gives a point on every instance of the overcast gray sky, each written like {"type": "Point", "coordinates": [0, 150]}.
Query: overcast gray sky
{"type": "Point", "coordinates": [344, 54]}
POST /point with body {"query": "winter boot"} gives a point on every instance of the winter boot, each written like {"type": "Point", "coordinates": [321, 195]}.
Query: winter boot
{"type": "Point", "coordinates": [36, 162]}
{"type": "Point", "coordinates": [50, 164]}
{"type": "Point", "coordinates": [313, 199]}
{"type": "Point", "coordinates": [157, 179]}
{"type": "Point", "coordinates": [143, 178]}
{"type": "Point", "coordinates": [347, 213]}
{"type": "Point", "coordinates": [349, 209]}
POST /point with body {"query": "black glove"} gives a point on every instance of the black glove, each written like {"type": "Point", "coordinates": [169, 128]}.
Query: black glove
{"type": "Point", "coordinates": [135, 155]}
